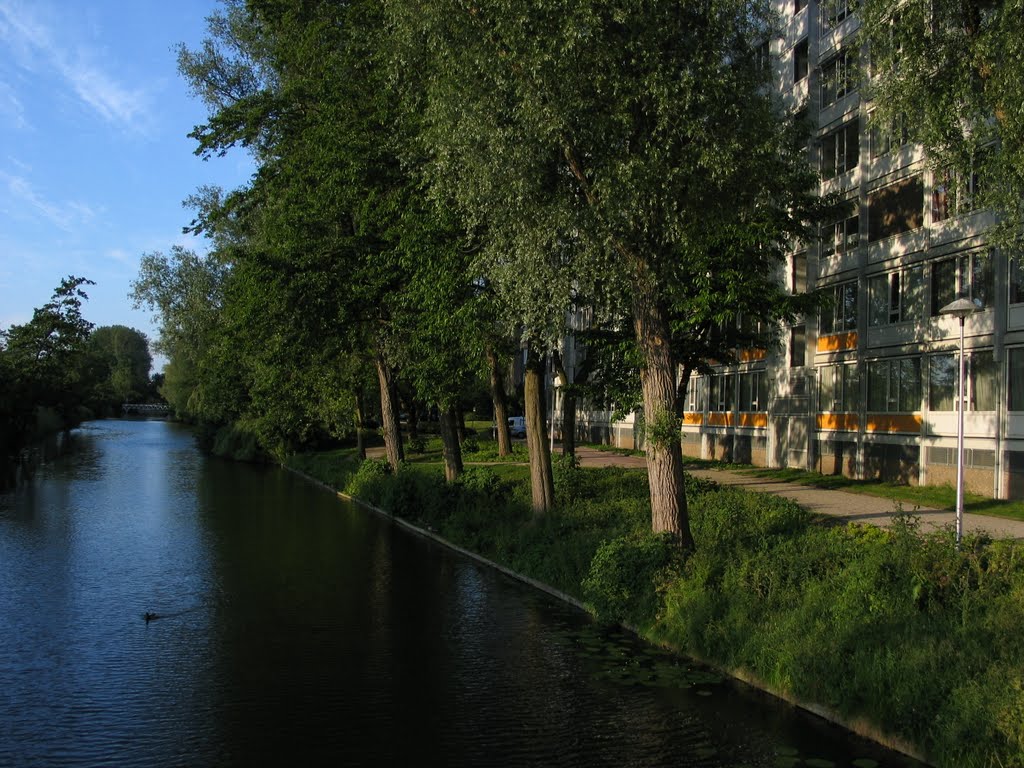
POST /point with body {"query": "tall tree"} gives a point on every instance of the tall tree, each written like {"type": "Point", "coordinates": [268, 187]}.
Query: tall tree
{"type": "Point", "coordinates": [186, 291]}
{"type": "Point", "coordinates": [949, 74]}
{"type": "Point", "coordinates": [44, 364]}
{"type": "Point", "coordinates": [339, 241]}
{"type": "Point", "coordinates": [123, 353]}
{"type": "Point", "coordinates": [632, 150]}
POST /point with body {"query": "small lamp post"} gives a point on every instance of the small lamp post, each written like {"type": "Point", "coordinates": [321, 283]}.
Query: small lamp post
{"type": "Point", "coordinates": [960, 309]}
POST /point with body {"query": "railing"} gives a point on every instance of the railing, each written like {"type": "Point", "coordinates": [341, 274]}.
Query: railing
{"type": "Point", "coordinates": [146, 409]}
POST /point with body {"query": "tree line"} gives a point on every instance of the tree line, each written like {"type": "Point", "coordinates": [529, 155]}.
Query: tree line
{"type": "Point", "coordinates": [58, 370]}
{"type": "Point", "coordinates": [440, 184]}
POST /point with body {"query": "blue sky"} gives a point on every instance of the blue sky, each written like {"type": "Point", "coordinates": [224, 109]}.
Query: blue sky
{"type": "Point", "coordinates": [95, 158]}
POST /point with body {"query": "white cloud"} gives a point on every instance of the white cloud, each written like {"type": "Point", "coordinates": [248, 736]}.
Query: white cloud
{"type": "Point", "coordinates": [123, 257]}
{"type": "Point", "coordinates": [62, 215]}
{"type": "Point", "coordinates": [11, 108]}
{"type": "Point", "coordinates": [35, 46]}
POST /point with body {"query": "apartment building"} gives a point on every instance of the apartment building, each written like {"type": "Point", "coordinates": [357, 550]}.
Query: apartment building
{"type": "Point", "coordinates": [867, 388]}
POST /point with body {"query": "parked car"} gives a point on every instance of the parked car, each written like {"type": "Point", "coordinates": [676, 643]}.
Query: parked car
{"type": "Point", "coordinates": [517, 426]}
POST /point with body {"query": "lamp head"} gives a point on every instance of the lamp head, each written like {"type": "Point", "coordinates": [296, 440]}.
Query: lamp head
{"type": "Point", "coordinates": [961, 308]}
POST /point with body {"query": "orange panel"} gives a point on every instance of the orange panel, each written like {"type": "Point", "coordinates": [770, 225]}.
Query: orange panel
{"type": "Point", "coordinates": [753, 419]}
{"type": "Point", "coordinates": [746, 355]}
{"type": "Point", "coordinates": [847, 422]}
{"type": "Point", "coordinates": [693, 418]}
{"type": "Point", "coordinates": [884, 422]}
{"type": "Point", "coordinates": [720, 419]}
{"type": "Point", "coordinates": [837, 342]}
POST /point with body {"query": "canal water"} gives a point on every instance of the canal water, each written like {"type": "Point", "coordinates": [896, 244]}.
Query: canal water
{"type": "Point", "coordinates": [294, 628]}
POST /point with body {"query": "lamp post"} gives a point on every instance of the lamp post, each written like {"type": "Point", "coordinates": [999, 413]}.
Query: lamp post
{"type": "Point", "coordinates": [960, 309]}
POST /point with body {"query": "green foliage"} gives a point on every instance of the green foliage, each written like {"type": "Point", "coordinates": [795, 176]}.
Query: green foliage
{"type": "Point", "coordinates": [239, 441]}
{"type": "Point", "coordinates": [122, 360]}
{"type": "Point", "coordinates": [951, 74]}
{"type": "Point", "coordinates": [368, 480]}
{"type": "Point", "coordinates": [627, 575]}
{"type": "Point", "coordinates": [45, 367]}
{"type": "Point", "coordinates": [893, 626]}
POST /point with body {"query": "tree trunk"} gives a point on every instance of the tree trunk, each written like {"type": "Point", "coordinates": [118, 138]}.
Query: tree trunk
{"type": "Point", "coordinates": [568, 409]}
{"type": "Point", "coordinates": [662, 443]}
{"type": "Point", "coordinates": [542, 482]}
{"type": "Point", "coordinates": [451, 446]}
{"type": "Point", "coordinates": [500, 404]}
{"type": "Point", "coordinates": [389, 414]}
{"type": "Point", "coordinates": [460, 422]}
{"type": "Point", "coordinates": [360, 421]}
{"type": "Point", "coordinates": [414, 420]}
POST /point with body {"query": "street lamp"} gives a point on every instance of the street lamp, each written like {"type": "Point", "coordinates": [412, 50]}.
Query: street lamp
{"type": "Point", "coordinates": [960, 309]}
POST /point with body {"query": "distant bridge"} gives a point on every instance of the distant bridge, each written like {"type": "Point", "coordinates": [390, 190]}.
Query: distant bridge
{"type": "Point", "coordinates": [146, 409]}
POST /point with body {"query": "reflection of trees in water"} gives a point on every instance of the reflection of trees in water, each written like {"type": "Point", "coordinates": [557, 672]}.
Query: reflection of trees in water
{"type": "Point", "coordinates": [15, 470]}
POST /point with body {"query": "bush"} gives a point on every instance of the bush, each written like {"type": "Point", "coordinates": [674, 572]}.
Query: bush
{"type": "Point", "coordinates": [238, 441]}
{"type": "Point", "coordinates": [369, 480]}
{"type": "Point", "coordinates": [627, 576]}
{"type": "Point", "coordinates": [416, 444]}
{"type": "Point", "coordinates": [470, 445]}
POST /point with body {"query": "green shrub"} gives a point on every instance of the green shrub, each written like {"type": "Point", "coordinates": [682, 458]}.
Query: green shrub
{"type": "Point", "coordinates": [470, 445]}
{"type": "Point", "coordinates": [238, 441]}
{"type": "Point", "coordinates": [416, 444]}
{"type": "Point", "coordinates": [369, 480]}
{"type": "Point", "coordinates": [627, 575]}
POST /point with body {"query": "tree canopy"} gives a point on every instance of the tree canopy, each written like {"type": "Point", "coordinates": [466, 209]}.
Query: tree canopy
{"type": "Point", "coordinates": [950, 74]}
{"type": "Point", "coordinates": [630, 152]}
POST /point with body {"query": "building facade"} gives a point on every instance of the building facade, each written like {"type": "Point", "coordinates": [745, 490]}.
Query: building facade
{"type": "Point", "coordinates": [867, 388]}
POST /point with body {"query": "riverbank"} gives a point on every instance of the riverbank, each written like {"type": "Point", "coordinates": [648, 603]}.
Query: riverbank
{"type": "Point", "coordinates": [891, 632]}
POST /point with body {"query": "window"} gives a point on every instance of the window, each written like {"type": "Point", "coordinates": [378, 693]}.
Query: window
{"type": "Point", "coordinates": [798, 277]}
{"type": "Point", "coordinates": [894, 385]}
{"type": "Point", "coordinates": [833, 12]}
{"type": "Point", "coordinates": [801, 61]}
{"type": "Point", "coordinates": [980, 381]}
{"type": "Point", "coordinates": [953, 195]}
{"type": "Point", "coordinates": [896, 297]}
{"type": "Point", "coordinates": [1015, 358]}
{"type": "Point", "coordinates": [884, 138]}
{"type": "Point", "coordinates": [840, 150]}
{"type": "Point", "coordinates": [839, 312]}
{"type": "Point", "coordinates": [722, 392]}
{"type": "Point", "coordinates": [843, 235]}
{"type": "Point", "coordinates": [837, 78]}
{"type": "Point", "coordinates": [968, 275]}
{"type": "Point", "coordinates": [762, 56]}
{"type": "Point", "coordinates": [694, 395]}
{"type": "Point", "coordinates": [797, 346]}
{"type": "Point", "coordinates": [1017, 279]}
{"type": "Point", "coordinates": [802, 120]}
{"type": "Point", "coordinates": [838, 388]}
{"type": "Point", "coordinates": [942, 375]}
{"type": "Point", "coordinates": [753, 391]}
{"type": "Point", "coordinates": [896, 208]}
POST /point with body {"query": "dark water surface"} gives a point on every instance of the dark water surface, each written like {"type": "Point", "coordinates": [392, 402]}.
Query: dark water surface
{"type": "Point", "coordinates": [296, 629]}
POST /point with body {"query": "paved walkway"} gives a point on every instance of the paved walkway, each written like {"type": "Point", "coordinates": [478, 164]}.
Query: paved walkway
{"type": "Point", "coordinates": [854, 507]}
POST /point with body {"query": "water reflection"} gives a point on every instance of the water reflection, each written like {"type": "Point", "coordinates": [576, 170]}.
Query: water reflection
{"type": "Point", "coordinates": [296, 628]}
